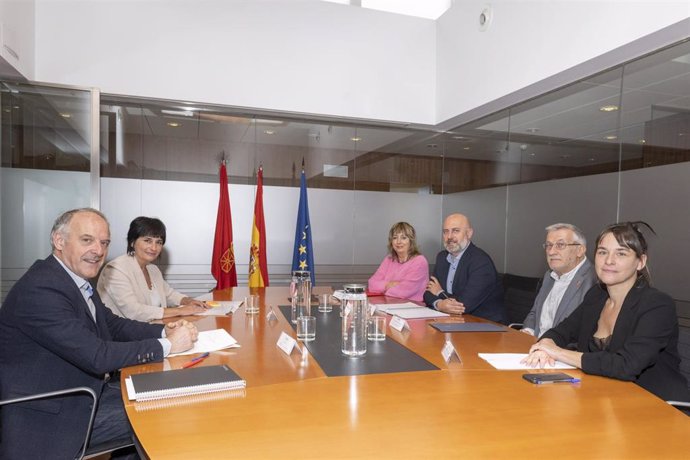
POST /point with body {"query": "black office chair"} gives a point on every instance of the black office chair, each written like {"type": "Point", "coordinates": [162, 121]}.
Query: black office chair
{"type": "Point", "coordinates": [92, 451]}
{"type": "Point", "coordinates": [519, 293]}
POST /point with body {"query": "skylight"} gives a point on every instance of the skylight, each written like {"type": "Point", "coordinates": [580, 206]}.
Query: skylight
{"type": "Point", "coordinates": [429, 9]}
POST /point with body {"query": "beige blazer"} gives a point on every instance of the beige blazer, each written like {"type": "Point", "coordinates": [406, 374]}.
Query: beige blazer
{"type": "Point", "coordinates": [123, 289]}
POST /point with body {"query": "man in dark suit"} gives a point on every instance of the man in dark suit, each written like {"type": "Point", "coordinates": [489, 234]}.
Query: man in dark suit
{"type": "Point", "coordinates": [565, 284]}
{"type": "Point", "coordinates": [464, 279]}
{"type": "Point", "coordinates": [55, 333]}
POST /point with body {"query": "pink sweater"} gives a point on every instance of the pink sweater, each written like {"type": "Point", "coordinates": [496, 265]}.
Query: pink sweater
{"type": "Point", "coordinates": [412, 277]}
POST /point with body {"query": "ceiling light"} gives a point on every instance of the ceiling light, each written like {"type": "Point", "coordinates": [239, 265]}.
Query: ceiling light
{"type": "Point", "coordinates": [270, 132]}
{"type": "Point", "coordinates": [532, 154]}
{"type": "Point", "coordinates": [174, 124]}
{"type": "Point", "coordinates": [465, 148]}
{"type": "Point", "coordinates": [181, 113]}
{"type": "Point", "coordinates": [16, 107]}
{"type": "Point", "coordinates": [591, 159]}
{"type": "Point", "coordinates": [65, 115]}
{"type": "Point", "coordinates": [611, 138]}
{"type": "Point", "coordinates": [532, 130]}
{"type": "Point", "coordinates": [642, 141]}
{"type": "Point", "coordinates": [608, 108]}
{"type": "Point", "coordinates": [263, 121]}
{"type": "Point", "coordinates": [460, 138]}
{"type": "Point", "coordinates": [356, 139]}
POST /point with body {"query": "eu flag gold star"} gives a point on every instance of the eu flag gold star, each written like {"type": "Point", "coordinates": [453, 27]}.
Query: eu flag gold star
{"type": "Point", "coordinates": [303, 264]}
{"type": "Point", "coordinates": [302, 249]}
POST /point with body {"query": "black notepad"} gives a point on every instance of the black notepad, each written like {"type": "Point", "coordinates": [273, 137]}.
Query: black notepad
{"type": "Point", "coordinates": [467, 327]}
{"type": "Point", "coordinates": [181, 382]}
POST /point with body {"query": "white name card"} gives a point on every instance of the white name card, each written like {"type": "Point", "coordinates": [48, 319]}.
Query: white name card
{"type": "Point", "coordinates": [448, 351]}
{"type": "Point", "coordinates": [271, 315]}
{"type": "Point", "coordinates": [399, 324]}
{"type": "Point", "coordinates": [286, 343]}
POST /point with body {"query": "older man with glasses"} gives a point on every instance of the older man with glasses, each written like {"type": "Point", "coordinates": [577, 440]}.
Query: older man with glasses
{"type": "Point", "coordinates": [569, 277]}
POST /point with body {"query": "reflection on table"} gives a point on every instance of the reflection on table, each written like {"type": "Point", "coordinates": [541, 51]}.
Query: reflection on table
{"type": "Point", "coordinates": [465, 409]}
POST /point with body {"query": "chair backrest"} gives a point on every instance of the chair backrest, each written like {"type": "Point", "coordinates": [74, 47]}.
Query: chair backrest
{"type": "Point", "coordinates": [684, 352]}
{"type": "Point", "coordinates": [519, 293]}
{"type": "Point", "coordinates": [53, 394]}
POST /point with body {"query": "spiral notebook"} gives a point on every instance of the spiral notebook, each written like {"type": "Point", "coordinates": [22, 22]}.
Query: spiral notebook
{"type": "Point", "coordinates": [183, 382]}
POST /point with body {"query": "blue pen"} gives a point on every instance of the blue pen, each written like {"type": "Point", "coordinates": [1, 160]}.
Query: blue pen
{"type": "Point", "coordinates": [194, 361]}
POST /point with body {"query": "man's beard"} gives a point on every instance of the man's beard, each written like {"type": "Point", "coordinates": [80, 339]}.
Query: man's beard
{"type": "Point", "coordinates": [456, 247]}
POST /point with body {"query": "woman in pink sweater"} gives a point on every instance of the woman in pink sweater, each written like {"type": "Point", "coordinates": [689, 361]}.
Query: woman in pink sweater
{"type": "Point", "coordinates": [404, 273]}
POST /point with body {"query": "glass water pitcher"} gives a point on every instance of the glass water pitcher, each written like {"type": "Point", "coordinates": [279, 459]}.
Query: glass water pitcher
{"type": "Point", "coordinates": [354, 320]}
{"type": "Point", "coordinates": [300, 294]}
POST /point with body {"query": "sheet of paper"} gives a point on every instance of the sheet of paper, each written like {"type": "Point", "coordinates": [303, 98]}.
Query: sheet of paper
{"type": "Point", "coordinates": [511, 361]}
{"type": "Point", "coordinates": [416, 313]}
{"type": "Point", "coordinates": [217, 339]}
{"type": "Point", "coordinates": [223, 308]}
{"type": "Point", "coordinates": [384, 307]}
{"type": "Point", "coordinates": [205, 297]}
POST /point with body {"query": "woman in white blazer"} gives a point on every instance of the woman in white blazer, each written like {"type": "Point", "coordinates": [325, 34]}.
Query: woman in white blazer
{"type": "Point", "coordinates": [133, 287]}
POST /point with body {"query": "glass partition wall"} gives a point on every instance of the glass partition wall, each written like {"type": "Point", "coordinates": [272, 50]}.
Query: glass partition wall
{"type": "Point", "coordinates": [610, 147]}
{"type": "Point", "coordinates": [46, 140]}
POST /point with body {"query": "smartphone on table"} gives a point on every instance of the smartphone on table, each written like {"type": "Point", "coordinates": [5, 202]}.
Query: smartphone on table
{"type": "Point", "coordinates": [553, 377]}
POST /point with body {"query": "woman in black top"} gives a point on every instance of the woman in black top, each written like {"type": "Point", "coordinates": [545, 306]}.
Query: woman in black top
{"type": "Point", "coordinates": [624, 329]}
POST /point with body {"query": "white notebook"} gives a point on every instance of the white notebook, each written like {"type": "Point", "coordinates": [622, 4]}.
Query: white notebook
{"type": "Point", "coordinates": [417, 313]}
{"type": "Point", "coordinates": [207, 341]}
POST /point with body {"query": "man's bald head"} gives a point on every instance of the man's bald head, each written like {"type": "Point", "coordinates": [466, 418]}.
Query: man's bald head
{"type": "Point", "coordinates": [457, 233]}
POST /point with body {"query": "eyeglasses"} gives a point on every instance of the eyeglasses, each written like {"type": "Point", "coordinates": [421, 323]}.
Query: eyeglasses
{"type": "Point", "coordinates": [560, 245]}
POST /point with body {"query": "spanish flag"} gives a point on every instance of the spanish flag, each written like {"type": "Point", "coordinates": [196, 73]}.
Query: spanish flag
{"type": "Point", "coordinates": [223, 259]}
{"type": "Point", "coordinates": [258, 268]}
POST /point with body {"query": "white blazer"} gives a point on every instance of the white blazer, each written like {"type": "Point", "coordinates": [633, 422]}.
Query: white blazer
{"type": "Point", "coordinates": [122, 287]}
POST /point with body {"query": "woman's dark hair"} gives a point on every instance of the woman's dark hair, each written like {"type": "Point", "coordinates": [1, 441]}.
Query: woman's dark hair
{"type": "Point", "coordinates": [144, 226]}
{"type": "Point", "coordinates": [629, 235]}
{"type": "Point", "coordinates": [407, 230]}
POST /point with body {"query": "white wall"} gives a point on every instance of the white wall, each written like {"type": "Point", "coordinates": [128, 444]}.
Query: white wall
{"type": "Point", "coordinates": [324, 58]}
{"type": "Point", "coordinates": [348, 228]}
{"type": "Point", "coordinates": [297, 56]}
{"type": "Point", "coordinates": [17, 32]}
{"type": "Point", "coordinates": [532, 40]}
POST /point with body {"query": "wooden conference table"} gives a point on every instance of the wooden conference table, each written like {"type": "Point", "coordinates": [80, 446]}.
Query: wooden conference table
{"type": "Point", "coordinates": [291, 409]}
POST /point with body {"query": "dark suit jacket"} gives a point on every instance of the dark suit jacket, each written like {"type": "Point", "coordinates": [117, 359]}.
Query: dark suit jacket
{"type": "Point", "coordinates": [572, 297]}
{"type": "Point", "coordinates": [476, 284]}
{"type": "Point", "coordinates": [644, 345]}
{"type": "Point", "coordinates": [49, 341]}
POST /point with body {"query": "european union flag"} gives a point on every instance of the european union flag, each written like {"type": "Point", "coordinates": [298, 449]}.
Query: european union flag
{"type": "Point", "coordinates": [303, 254]}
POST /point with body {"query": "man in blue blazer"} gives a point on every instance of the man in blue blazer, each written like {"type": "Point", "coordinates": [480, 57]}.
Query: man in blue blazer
{"type": "Point", "coordinates": [55, 333]}
{"type": "Point", "coordinates": [465, 278]}
{"type": "Point", "coordinates": [565, 284]}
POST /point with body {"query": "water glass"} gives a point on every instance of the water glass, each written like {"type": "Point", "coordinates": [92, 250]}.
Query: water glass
{"type": "Point", "coordinates": [306, 328]}
{"type": "Point", "coordinates": [251, 304]}
{"type": "Point", "coordinates": [376, 328]}
{"type": "Point", "coordinates": [325, 305]}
